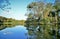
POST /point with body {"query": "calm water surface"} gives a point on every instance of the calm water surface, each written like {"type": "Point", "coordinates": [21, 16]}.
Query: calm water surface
{"type": "Point", "coordinates": [29, 32]}
{"type": "Point", "coordinates": [17, 32]}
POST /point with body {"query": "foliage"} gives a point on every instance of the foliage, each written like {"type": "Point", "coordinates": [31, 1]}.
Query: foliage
{"type": "Point", "coordinates": [4, 5]}
{"type": "Point", "coordinates": [45, 14]}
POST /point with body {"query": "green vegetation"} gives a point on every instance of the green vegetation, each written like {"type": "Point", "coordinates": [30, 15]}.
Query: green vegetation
{"type": "Point", "coordinates": [40, 11]}
{"type": "Point", "coordinates": [46, 16]}
{"type": "Point", "coordinates": [9, 22]}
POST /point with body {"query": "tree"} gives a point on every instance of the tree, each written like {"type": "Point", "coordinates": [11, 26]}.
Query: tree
{"type": "Point", "coordinates": [4, 4]}
{"type": "Point", "coordinates": [57, 4]}
{"type": "Point", "coordinates": [41, 11]}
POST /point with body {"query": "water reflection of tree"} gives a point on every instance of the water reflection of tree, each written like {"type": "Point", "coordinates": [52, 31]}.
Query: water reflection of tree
{"type": "Point", "coordinates": [44, 32]}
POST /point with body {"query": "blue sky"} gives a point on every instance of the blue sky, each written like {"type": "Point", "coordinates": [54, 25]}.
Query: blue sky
{"type": "Point", "coordinates": [18, 9]}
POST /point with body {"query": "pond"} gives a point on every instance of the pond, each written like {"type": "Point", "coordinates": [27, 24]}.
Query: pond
{"type": "Point", "coordinates": [17, 32]}
{"type": "Point", "coordinates": [30, 32]}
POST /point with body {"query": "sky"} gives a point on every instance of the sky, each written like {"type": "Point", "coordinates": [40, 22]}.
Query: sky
{"type": "Point", "coordinates": [18, 9]}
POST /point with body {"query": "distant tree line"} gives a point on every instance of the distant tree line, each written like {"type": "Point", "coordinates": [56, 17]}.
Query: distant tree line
{"type": "Point", "coordinates": [9, 22]}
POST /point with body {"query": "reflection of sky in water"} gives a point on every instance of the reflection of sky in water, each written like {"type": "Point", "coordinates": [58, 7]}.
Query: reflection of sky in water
{"type": "Point", "coordinates": [18, 32]}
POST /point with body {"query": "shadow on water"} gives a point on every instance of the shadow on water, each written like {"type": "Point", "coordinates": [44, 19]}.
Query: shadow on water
{"type": "Point", "coordinates": [3, 26]}
{"type": "Point", "coordinates": [44, 31]}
